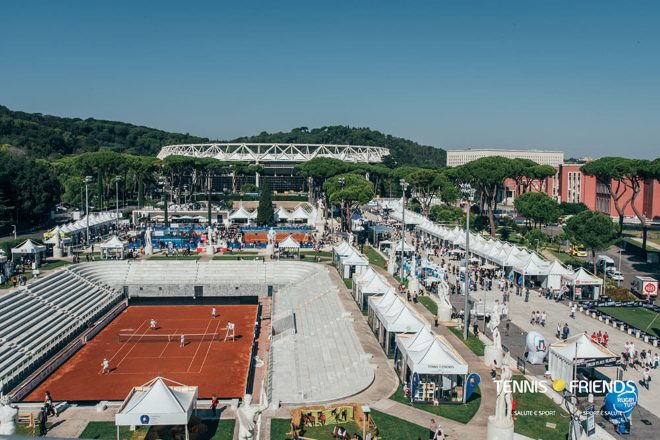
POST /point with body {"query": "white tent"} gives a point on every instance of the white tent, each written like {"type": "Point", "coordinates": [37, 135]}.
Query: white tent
{"type": "Point", "coordinates": [240, 214]}
{"type": "Point", "coordinates": [113, 246]}
{"type": "Point", "coordinates": [299, 214]}
{"type": "Point", "coordinates": [577, 352]}
{"type": "Point", "coordinates": [351, 264]}
{"type": "Point", "coordinates": [555, 273]}
{"type": "Point", "coordinates": [156, 403]}
{"type": "Point", "coordinates": [3, 256]}
{"type": "Point", "coordinates": [375, 286]}
{"type": "Point", "coordinates": [406, 247]}
{"type": "Point", "coordinates": [582, 282]}
{"type": "Point", "coordinates": [342, 249]}
{"type": "Point", "coordinates": [289, 243]}
{"type": "Point", "coordinates": [28, 247]}
{"type": "Point", "coordinates": [281, 215]}
{"type": "Point", "coordinates": [427, 353]}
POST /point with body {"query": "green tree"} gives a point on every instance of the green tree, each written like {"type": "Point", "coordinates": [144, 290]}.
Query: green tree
{"type": "Point", "coordinates": [348, 191]}
{"type": "Point", "coordinates": [486, 175]}
{"type": "Point", "coordinates": [538, 208]}
{"type": "Point", "coordinates": [611, 172]}
{"type": "Point", "coordinates": [536, 239]}
{"type": "Point", "coordinates": [265, 211]}
{"type": "Point", "coordinates": [595, 230]}
{"type": "Point", "coordinates": [568, 208]}
{"type": "Point", "coordinates": [637, 172]}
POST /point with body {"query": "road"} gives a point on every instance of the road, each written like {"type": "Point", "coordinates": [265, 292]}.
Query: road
{"type": "Point", "coordinates": [632, 265]}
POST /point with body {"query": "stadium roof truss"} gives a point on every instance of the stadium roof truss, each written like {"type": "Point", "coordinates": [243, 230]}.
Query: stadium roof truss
{"type": "Point", "coordinates": [264, 153]}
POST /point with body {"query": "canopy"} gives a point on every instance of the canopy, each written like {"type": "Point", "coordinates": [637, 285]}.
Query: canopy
{"type": "Point", "coordinates": [28, 247]}
{"type": "Point", "coordinates": [397, 247]}
{"type": "Point", "coordinates": [240, 214]}
{"type": "Point", "coordinates": [343, 248]}
{"type": "Point", "coordinates": [282, 214]}
{"type": "Point", "coordinates": [427, 353]}
{"type": "Point", "coordinates": [299, 214]}
{"type": "Point", "coordinates": [156, 403]}
{"type": "Point", "coordinates": [354, 259]}
{"type": "Point", "coordinates": [583, 278]}
{"type": "Point", "coordinates": [395, 314]}
{"type": "Point", "coordinates": [289, 243]}
{"type": "Point", "coordinates": [578, 351]}
{"type": "Point", "coordinates": [113, 243]}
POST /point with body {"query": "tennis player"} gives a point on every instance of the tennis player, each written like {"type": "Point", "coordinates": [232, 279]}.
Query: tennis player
{"type": "Point", "coordinates": [213, 313]}
{"type": "Point", "coordinates": [153, 324]}
{"type": "Point", "coordinates": [182, 340]}
{"type": "Point", "coordinates": [106, 366]}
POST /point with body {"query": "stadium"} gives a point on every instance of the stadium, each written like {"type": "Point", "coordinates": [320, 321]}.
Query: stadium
{"type": "Point", "coordinates": [278, 160]}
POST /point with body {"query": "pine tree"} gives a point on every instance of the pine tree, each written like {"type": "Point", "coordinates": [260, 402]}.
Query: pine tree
{"type": "Point", "coordinates": [265, 212]}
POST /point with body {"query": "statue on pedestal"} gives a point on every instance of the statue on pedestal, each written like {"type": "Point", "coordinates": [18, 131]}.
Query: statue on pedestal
{"type": "Point", "coordinates": [247, 415]}
{"type": "Point", "coordinates": [8, 416]}
{"type": "Point", "coordinates": [503, 405]}
{"type": "Point", "coordinates": [413, 282]}
{"type": "Point", "coordinates": [148, 245]}
{"type": "Point", "coordinates": [391, 263]}
{"type": "Point", "coordinates": [492, 325]}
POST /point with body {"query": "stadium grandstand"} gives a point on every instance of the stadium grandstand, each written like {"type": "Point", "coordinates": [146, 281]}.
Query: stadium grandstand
{"type": "Point", "coordinates": [278, 160]}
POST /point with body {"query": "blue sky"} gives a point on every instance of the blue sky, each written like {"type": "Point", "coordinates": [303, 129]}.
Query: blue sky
{"type": "Point", "coordinates": [579, 76]}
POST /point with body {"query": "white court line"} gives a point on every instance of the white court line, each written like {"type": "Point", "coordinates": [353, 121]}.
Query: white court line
{"type": "Point", "coordinates": [208, 350]}
{"type": "Point", "coordinates": [121, 348]}
{"type": "Point", "coordinates": [166, 345]}
{"type": "Point", "coordinates": [206, 330]}
{"type": "Point", "coordinates": [131, 349]}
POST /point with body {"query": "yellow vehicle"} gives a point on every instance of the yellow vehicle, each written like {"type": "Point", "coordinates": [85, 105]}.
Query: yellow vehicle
{"type": "Point", "coordinates": [578, 250]}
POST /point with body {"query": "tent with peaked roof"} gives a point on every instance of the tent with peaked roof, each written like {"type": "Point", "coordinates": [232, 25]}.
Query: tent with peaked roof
{"type": "Point", "coordinates": [585, 286]}
{"type": "Point", "coordinates": [440, 367]}
{"type": "Point", "coordinates": [29, 248]}
{"type": "Point", "coordinates": [114, 247]}
{"type": "Point", "coordinates": [282, 215]}
{"type": "Point", "coordinates": [577, 355]}
{"type": "Point", "coordinates": [156, 403]}
{"type": "Point", "coordinates": [288, 246]}
{"type": "Point", "coordinates": [241, 215]}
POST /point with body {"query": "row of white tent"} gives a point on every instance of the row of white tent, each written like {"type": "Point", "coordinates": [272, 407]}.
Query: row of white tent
{"type": "Point", "coordinates": [79, 226]}
{"type": "Point", "coordinates": [497, 252]}
{"type": "Point", "coordinates": [349, 261]}
{"type": "Point", "coordinates": [300, 214]}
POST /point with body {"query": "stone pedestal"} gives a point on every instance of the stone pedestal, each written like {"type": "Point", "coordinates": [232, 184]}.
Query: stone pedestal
{"type": "Point", "coordinates": [491, 353]}
{"type": "Point", "coordinates": [148, 250]}
{"type": "Point", "coordinates": [57, 252]}
{"type": "Point", "coordinates": [210, 250]}
{"type": "Point", "coordinates": [499, 430]}
{"type": "Point", "coordinates": [444, 312]}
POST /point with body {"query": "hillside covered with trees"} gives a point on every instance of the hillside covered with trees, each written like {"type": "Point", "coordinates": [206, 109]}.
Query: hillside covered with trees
{"type": "Point", "coordinates": [51, 137]}
{"type": "Point", "coordinates": [402, 151]}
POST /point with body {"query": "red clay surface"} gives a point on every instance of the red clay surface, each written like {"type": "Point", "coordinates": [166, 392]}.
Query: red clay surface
{"type": "Point", "coordinates": [216, 367]}
{"type": "Point", "coordinates": [259, 237]}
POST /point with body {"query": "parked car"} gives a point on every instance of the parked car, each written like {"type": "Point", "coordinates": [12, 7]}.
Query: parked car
{"type": "Point", "coordinates": [615, 275]}
{"type": "Point", "coordinates": [578, 250]}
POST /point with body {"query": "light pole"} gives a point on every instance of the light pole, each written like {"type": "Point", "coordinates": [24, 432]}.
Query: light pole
{"type": "Point", "coordinates": [88, 180]}
{"type": "Point", "coordinates": [117, 180]}
{"type": "Point", "coordinates": [15, 230]}
{"type": "Point", "coordinates": [468, 194]}
{"type": "Point", "coordinates": [404, 187]}
{"type": "Point", "coordinates": [342, 183]}
{"type": "Point", "coordinates": [619, 269]}
{"type": "Point", "coordinates": [185, 194]}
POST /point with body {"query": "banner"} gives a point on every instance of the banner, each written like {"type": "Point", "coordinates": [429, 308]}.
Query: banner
{"type": "Point", "coordinates": [473, 380]}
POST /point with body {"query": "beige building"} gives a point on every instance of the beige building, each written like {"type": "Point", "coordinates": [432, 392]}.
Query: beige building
{"type": "Point", "coordinates": [461, 157]}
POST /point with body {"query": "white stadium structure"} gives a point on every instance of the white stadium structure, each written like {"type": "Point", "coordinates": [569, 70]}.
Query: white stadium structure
{"type": "Point", "coordinates": [277, 159]}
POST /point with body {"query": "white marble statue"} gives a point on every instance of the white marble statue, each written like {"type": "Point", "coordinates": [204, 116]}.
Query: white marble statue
{"type": "Point", "coordinates": [413, 282]}
{"type": "Point", "coordinates": [272, 236]}
{"type": "Point", "coordinates": [147, 238]}
{"type": "Point", "coordinates": [247, 415]}
{"type": "Point", "coordinates": [8, 416]}
{"type": "Point", "coordinates": [209, 235]}
{"type": "Point", "coordinates": [391, 264]}
{"type": "Point", "coordinates": [492, 325]}
{"type": "Point", "coordinates": [503, 405]}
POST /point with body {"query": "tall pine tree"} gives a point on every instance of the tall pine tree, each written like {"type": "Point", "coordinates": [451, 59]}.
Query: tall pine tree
{"type": "Point", "coordinates": [265, 212]}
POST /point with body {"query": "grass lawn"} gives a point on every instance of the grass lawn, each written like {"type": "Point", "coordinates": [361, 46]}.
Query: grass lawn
{"type": "Point", "coordinates": [107, 431]}
{"type": "Point", "coordinates": [349, 283]}
{"type": "Point", "coordinates": [54, 264]}
{"type": "Point", "coordinates": [325, 254]}
{"type": "Point", "coordinates": [562, 257]}
{"type": "Point", "coordinates": [428, 302]}
{"type": "Point", "coordinates": [25, 430]}
{"type": "Point", "coordinates": [236, 257]}
{"type": "Point", "coordinates": [389, 428]}
{"type": "Point", "coordinates": [643, 319]}
{"type": "Point", "coordinates": [473, 343]}
{"type": "Point", "coordinates": [374, 257]}
{"type": "Point", "coordinates": [534, 426]}
{"type": "Point", "coordinates": [462, 413]}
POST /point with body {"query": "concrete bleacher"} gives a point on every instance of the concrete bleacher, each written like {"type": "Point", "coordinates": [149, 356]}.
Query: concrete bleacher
{"type": "Point", "coordinates": [323, 360]}
{"type": "Point", "coordinates": [39, 319]}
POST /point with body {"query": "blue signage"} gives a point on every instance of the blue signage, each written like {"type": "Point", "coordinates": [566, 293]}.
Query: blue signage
{"type": "Point", "coordinates": [621, 401]}
{"type": "Point", "coordinates": [144, 419]}
{"type": "Point", "coordinates": [472, 383]}
{"type": "Point", "coordinates": [414, 385]}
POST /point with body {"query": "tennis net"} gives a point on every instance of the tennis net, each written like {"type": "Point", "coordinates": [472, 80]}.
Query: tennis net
{"type": "Point", "coordinates": [174, 337]}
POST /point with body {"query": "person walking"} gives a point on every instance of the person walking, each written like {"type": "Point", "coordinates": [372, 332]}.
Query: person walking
{"type": "Point", "coordinates": [573, 310]}
{"type": "Point", "coordinates": [565, 332]}
{"type": "Point", "coordinates": [42, 419]}
{"type": "Point", "coordinates": [214, 404]}
{"type": "Point", "coordinates": [50, 407]}
{"type": "Point", "coordinates": [506, 327]}
{"type": "Point", "coordinates": [433, 427]}
{"type": "Point", "coordinates": [558, 332]}
{"type": "Point", "coordinates": [647, 378]}
{"type": "Point", "coordinates": [105, 365]}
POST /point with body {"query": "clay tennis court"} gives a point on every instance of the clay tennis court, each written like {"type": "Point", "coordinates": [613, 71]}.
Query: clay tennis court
{"type": "Point", "coordinates": [216, 367]}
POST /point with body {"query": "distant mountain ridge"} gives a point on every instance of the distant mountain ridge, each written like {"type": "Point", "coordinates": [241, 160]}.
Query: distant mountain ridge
{"type": "Point", "coordinates": [48, 137]}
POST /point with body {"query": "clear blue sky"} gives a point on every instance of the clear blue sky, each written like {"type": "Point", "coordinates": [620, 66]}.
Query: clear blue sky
{"type": "Point", "coordinates": [580, 76]}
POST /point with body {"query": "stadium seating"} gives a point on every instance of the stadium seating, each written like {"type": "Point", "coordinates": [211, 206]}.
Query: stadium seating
{"type": "Point", "coordinates": [40, 318]}
{"type": "Point", "coordinates": [323, 358]}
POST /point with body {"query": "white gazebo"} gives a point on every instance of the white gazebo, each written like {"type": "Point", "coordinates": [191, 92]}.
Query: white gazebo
{"type": "Point", "coordinates": [584, 286]}
{"type": "Point", "coordinates": [113, 247]}
{"type": "Point", "coordinates": [300, 215]}
{"type": "Point", "coordinates": [156, 403]}
{"type": "Point", "coordinates": [576, 358]}
{"type": "Point", "coordinates": [289, 245]}
{"type": "Point", "coordinates": [29, 248]}
{"type": "Point", "coordinates": [440, 368]}
{"type": "Point", "coordinates": [281, 215]}
{"type": "Point", "coordinates": [241, 215]}
{"type": "Point", "coordinates": [352, 264]}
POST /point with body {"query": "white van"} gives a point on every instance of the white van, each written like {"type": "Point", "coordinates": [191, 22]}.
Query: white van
{"type": "Point", "coordinates": [603, 263]}
{"type": "Point", "coordinates": [644, 286]}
